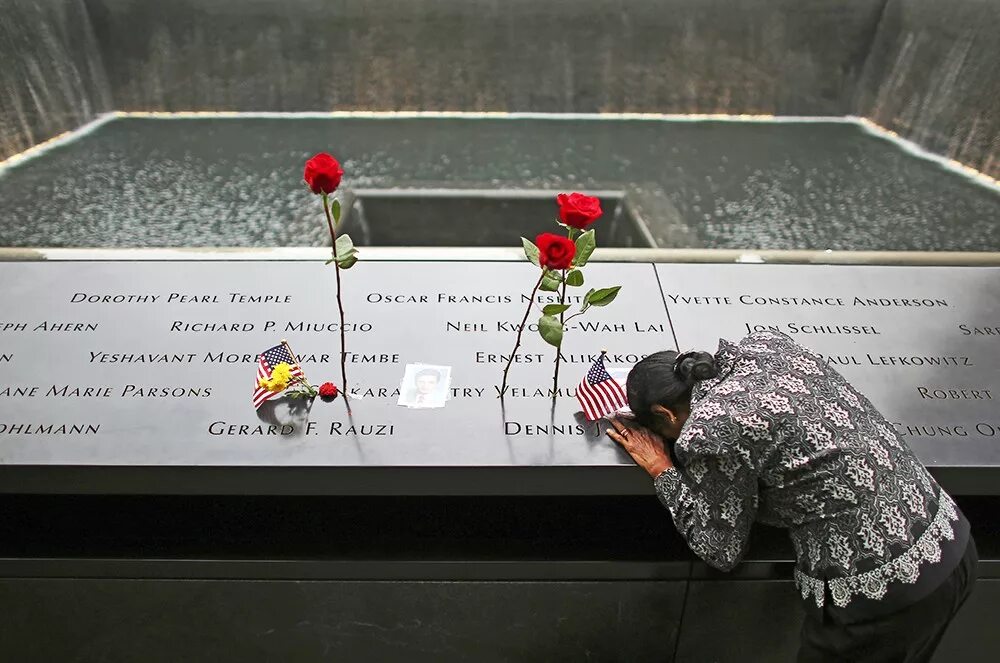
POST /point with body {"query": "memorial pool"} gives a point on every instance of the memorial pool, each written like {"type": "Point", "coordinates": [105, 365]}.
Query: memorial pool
{"type": "Point", "coordinates": [236, 181]}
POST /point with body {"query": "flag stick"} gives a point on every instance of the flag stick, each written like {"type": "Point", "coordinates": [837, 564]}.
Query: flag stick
{"type": "Point", "coordinates": [597, 422]}
{"type": "Point", "coordinates": [296, 359]}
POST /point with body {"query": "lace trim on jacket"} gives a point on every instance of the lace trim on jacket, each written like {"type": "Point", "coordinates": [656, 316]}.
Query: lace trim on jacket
{"type": "Point", "coordinates": [905, 568]}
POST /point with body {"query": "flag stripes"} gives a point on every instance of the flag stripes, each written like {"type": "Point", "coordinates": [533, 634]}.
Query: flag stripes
{"type": "Point", "coordinates": [266, 362]}
{"type": "Point", "coordinates": [600, 394]}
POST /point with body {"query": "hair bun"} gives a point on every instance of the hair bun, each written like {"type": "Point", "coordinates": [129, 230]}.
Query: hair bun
{"type": "Point", "coordinates": [692, 367]}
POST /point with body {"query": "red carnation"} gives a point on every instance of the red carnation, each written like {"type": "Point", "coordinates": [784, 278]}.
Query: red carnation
{"type": "Point", "coordinates": [328, 390]}
{"type": "Point", "coordinates": [555, 251]}
{"type": "Point", "coordinates": [577, 210]}
{"type": "Point", "coordinates": [323, 173]}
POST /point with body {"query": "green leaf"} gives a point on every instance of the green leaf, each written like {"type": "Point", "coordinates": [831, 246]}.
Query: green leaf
{"type": "Point", "coordinates": [345, 261]}
{"type": "Point", "coordinates": [585, 245]}
{"type": "Point", "coordinates": [347, 255]}
{"type": "Point", "coordinates": [574, 278]}
{"type": "Point", "coordinates": [335, 209]}
{"type": "Point", "coordinates": [551, 281]}
{"type": "Point", "coordinates": [344, 244]}
{"type": "Point", "coordinates": [530, 251]}
{"type": "Point", "coordinates": [555, 309]}
{"type": "Point", "coordinates": [551, 330]}
{"type": "Point", "coordinates": [602, 297]}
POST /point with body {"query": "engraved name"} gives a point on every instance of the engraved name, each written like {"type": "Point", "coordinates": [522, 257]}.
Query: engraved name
{"type": "Point", "coordinates": [796, 328]}
{"type": "Point", "coordinates": [521, 392]}
{"type": "Point", "coordinates": [336, 428]}
{"type": "Point", "coordinates": [754, 300]}
{"type": "Point", "coordinates": [50, 326]}
{"type": "Point", "coordinates": [518, 428]}
{"type": "Point", "coordinates": [955, 394]}
{"type": "Point", "coordinates": [591, 326]}
{"type": "Point", "coordinates": [269, 325]}
{"type": "Point", "coordinates": [49, 429]}
{"type": "Point", "coordinates": [79, 391]}
{"type": "Point", "coordinates": [536, 358]}
{"type": "Point", "coordinates": [86, 298]}
{"type": "Point", "coordinates": [232, 298]}
{"type": "Point", "coordinates": [374, 392]}
{"type": "Point", "coordinates": [448, 298]}
{"type": "Point", "coordinates": [918, 360]}
{"type": "Point", "coordinates": [982, 428]}
{"type": "Point", "coordinates": [351, 357]}
{"type": "Point", "coordinates": [979, 331]}
{"type": "Point", "coordinates": [178, 298]}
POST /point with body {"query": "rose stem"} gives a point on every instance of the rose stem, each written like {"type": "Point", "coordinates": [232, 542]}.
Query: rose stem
{"type": "Point", "coordinates": [517, 343]}
{"type": "Point", "coordinates": [562, 314]}
{"type": "Point", "coordinates": [340, 302]}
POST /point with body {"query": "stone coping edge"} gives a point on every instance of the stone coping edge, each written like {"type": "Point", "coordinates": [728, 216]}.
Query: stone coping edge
{"type": "Point", "coordinates": [508, 254]}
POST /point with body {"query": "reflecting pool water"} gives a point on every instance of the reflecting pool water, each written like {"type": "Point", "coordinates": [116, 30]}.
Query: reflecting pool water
{"type": "Point", "coordinates": [153, 182]}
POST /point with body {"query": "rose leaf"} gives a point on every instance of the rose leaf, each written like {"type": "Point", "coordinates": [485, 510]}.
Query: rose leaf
{"type": "Point", "coordinates": [602, 297]}
{"type": "Point", "coordinates": [585, 245]}
{"type": "Point", "coordinates": [346, 253]}
{"type": "Point", "coordinates": [347, 262]}
{"type": "Point", "coordinates": [555, 309]}
{"type": "Point", "coordinates": [530, 251]}
{"type": "Point", "coordinates": [551, 330]}
{"type": "Point", "coordinates": [550, 281]}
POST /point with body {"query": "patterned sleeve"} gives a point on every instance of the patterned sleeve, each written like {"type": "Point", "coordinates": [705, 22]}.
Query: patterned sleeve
{"type": "Point", "coordinates": [712, 496]}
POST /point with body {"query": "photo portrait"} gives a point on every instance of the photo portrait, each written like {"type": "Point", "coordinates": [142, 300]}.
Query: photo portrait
{"type": "Point", "coordinates": [425, 386]}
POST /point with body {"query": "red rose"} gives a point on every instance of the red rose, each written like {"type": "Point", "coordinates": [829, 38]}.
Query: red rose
{"type": "Point", "coordinates": [577, 210]}
{"type": "Point", "coordinates": [555, 251]}
{"type": "Point", "coordinates": [323, 173]}
{"type": "Point", "coordinates": [328, 390]}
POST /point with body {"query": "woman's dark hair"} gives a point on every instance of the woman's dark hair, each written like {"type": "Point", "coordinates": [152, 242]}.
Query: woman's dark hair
{"type": "Point", "coordinates": [666, 378]}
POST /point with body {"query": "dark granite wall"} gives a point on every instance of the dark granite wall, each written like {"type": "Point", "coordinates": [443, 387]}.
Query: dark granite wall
{"type": "Point", "coordinates": [51, 76]}
{"type": "Point", "coordinates": [932, 76]}
{"type": "Point", "coordinates": [767, 56]}
{"type": "Point", "coordinates": [922, 67]}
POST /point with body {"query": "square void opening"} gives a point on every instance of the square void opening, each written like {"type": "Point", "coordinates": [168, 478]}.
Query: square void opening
{"type": "Point", "coordinates": [469, 217]}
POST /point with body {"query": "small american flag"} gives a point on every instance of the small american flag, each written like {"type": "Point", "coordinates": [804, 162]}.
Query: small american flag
{"type": "Point", "coordinates": [265, 364]}
{"type": "Point", "coordinates": [599, 393]}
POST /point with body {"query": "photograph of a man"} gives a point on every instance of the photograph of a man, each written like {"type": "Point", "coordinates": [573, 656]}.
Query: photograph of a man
{"type": "Point", "coordinates": [425, 386]}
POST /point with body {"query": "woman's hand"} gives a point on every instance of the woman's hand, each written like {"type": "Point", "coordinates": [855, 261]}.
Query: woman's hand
{"type": "Point", "coordinates": [645, 446]}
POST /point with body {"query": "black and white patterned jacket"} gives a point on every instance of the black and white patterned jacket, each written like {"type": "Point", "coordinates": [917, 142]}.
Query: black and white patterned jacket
{"type": "Point", "coordinates": [782, 438]}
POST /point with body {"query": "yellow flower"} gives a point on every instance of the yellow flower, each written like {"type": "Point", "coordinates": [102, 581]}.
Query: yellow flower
{"type": "Point", "coordinates": [282, 372]}
{"type": "Point", "coordinates": [280, 377]}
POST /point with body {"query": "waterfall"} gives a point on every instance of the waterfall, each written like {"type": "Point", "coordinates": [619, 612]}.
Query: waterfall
{"type": "Point", "coordinates": [52, 79]}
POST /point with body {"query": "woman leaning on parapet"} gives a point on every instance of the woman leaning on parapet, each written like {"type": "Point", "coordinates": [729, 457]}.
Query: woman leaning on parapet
{"type": "Point", "coordinates": [767, 431]}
